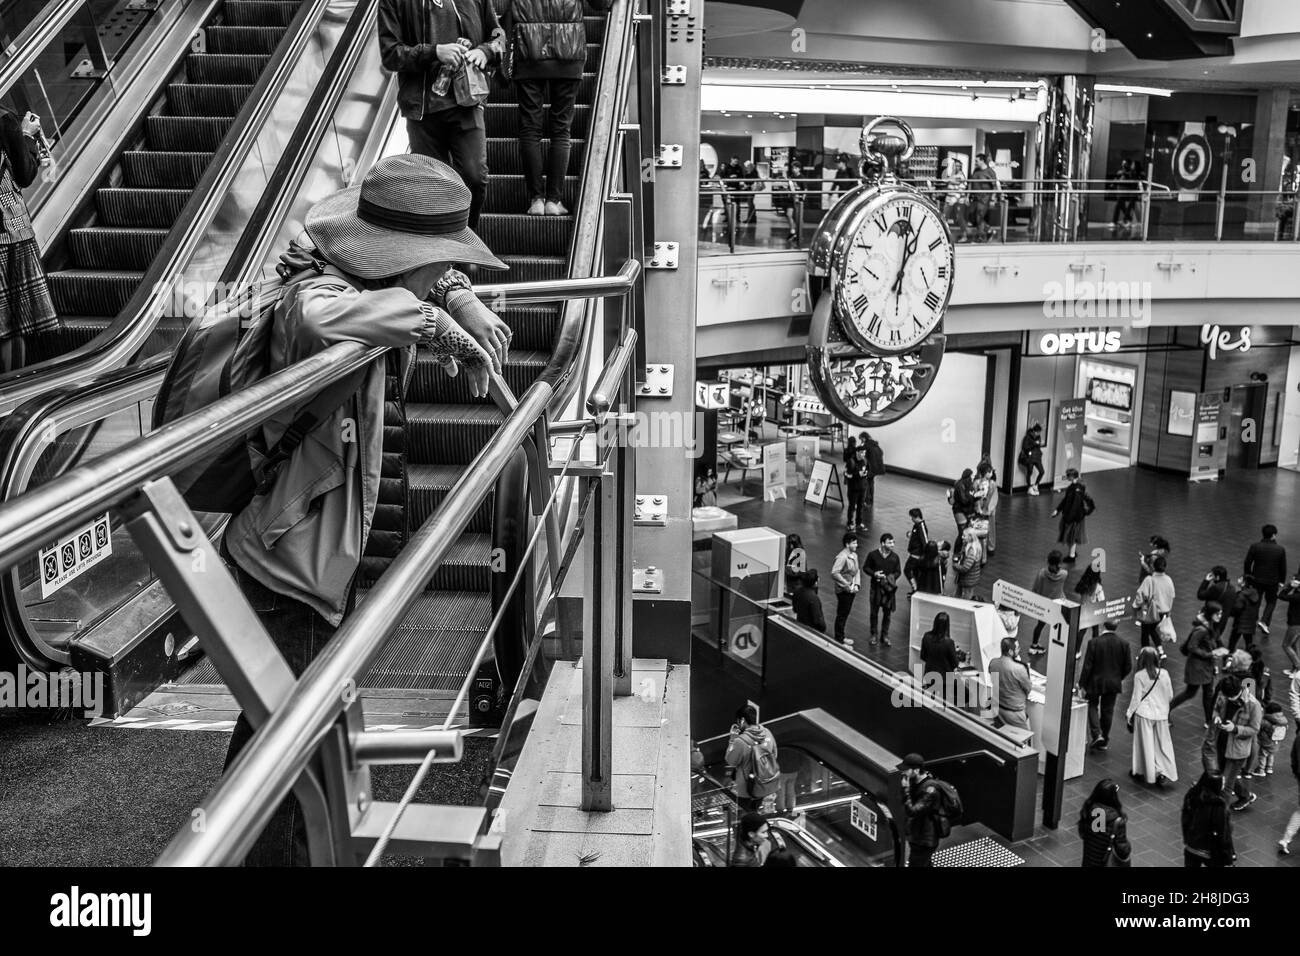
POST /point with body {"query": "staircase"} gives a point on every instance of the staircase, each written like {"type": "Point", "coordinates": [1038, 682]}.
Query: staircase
{"type": "Point", "coordinates": [101, 262]}
{"type": "Point", "coordinates": [446, 427]}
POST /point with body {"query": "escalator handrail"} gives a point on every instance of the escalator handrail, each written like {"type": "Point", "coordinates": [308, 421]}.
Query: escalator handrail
{"type": "Point", "coordinates": [237, 809]}
{"type": "Point", "coordinates": [574, 335]}
{"type": "Point", "coordinates": [44, 29]}
{"type": "Point", "coordinates": [127, 333]}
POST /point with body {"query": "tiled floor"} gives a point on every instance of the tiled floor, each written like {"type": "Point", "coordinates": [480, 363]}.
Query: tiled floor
{"type": "Point", "coordinates": [1207, 524]}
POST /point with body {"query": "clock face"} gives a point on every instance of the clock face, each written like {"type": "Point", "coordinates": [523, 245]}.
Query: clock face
{"type": "Point", "coordinates": [895, 277]}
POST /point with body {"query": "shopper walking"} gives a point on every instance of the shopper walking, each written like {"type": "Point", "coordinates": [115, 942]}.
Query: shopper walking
{"type": "Point", "coordinates": [1010, 675]}
{"type": "Point", "coordinates": [1103, 826]}
{"type": "Point", "coordinates": [1049, 583]}
{"type": "Point", "coordinates": [783, 199]}
{"type": "Point", "coordinates": [1157, 547]}
{"type": "Point", "coordinates": [1266, 561]}
{"type": "Point", "coordinates": [1105, 667]}
{"type": "Point", "coordinates": [756, 841]}
{"type": "Point", "coordinates": [807, 603]}
{"type": "Point", "coordinates": [1074, 509]}
{"type": "Point", "coordinates": [1199, 646]}
{"type": "Point", "coordinates": [955, 205]}
{"type": "Point", "coordinates": [1245, 612]}
{"type": "Point", "coordinates": [847, 575]}
{"type": "Point", "coordinates": [1090, 593]}
{"type": "Point", "coordinates": [1207, 824]}
{"type": "Point", "coordinates": [962, 498]}
{"type": "Point", "coordinates": [986, 501]}
{"type": "Point", "coordinates": [917, 538]}
{"type": "Point", "coordinates": [932, 806]}
{"type": "Point", "coordinates": [883, 569]}
{"type": "Point", "coordinates": [1153, 602]}
{"type": "Point", "coordinates": [855, 474]}
{"type": "Point", "coordinates": [546, 55]}
{"type": "Point", "coordinates": [423, 43]}
{"type": "Point", "coordinates": [875, 461]}
{"type": "Point", "coordinates": [1230, 739]}
{"type": "Point", "coordinates": [1031, 456]}
{"type": "Point", "coordinates": [752, 756]}
{"type": "Point", "coordinates": [985, 190]}
{"type": "Point", "coordinates": [26, 309]}
{"type": "Point", "coordinates": [1148, 720]}
{"type": "Point", "coordinates": [1217, 587]}
{"type": "Point", "coordinates": [1293, 824]}
{"type": "Point", "coordinates": [1291, 642]}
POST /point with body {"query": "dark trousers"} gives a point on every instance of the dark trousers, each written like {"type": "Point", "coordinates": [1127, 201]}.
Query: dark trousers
{"type": "Point", "coordinates": [1038, 630]}
{"type": "Point", "coordinates": [1029, 473]}
{"type": "Point", "coordinates": [449, 136]}
{"type": "Point", "coordinates": [920, 855]}
{"type": "Point", "coordinates": [857, 493]}
{"type": "Point", "coordinates": [1207, 698]}
{"type": "Point", "coordinates": [1268, 601]}
{"type": "Point", "coordinates": [1151, 636]}
{"type": "Point", "coordinates": [533, 95]}
{"type": "Point", "coordinates": [1192, 860]}
{"type": "Point", "coordinates": [843, 605]}
{"type": "Point", "coordinates": [883, 611]}
{"type": "Point", "coordinates": [1244, 638]}
{"type": "Point", "coordinates": [300, 634]}
{"type": "Point", "coordinates": [1101, 714]}
{"type": "Point", "coordinates": [1232, 769]}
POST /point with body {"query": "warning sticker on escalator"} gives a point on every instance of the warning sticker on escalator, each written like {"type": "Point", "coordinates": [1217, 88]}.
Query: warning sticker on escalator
{"type": "Point", "coordinates": [75, 554]}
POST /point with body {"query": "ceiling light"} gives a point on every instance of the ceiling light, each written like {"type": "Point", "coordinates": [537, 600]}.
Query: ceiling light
{"type": "Point", "coordinates": [1141, 90]}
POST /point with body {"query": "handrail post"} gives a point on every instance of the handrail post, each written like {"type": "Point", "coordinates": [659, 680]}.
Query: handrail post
{"type": "Point", "coordinates": [1146, 203]}
{"type": "Point", "coordinates": [1295, 220]}
{"type": "Point", "coordinates": [1220, 203]}
{"type": "Point", "coordinates": [598, 649]}
{"type": "Point", "coordinates": [1006, 214]}
{"type": "Point", "coordinates": [730, 204]}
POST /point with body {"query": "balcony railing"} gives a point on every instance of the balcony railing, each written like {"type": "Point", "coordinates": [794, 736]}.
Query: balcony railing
{"type": "Point", "coordinates": [753, 214]}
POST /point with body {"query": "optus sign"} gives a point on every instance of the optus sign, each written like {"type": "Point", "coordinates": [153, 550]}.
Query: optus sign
{"type": "Point", "coordinates": [1080, 343]}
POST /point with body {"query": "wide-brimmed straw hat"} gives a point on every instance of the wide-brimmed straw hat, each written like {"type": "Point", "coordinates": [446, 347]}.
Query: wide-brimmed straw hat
{"type": "Point", "coordinates": [409, 211]}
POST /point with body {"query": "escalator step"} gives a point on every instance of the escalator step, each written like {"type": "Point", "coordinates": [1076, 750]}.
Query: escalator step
{"type": "Point", "coordinates": [224, 67]}
{"type": "Point", "coordinates": [468, 565]}
{"type": "Point", "coordinates": [77, 330]}
{"type": "Point", "coordinates": [504, 158]}
{"type": "Point", "coordinates": [532, 268]}
{"type": "Point", "coordinates": [449, 434]}
{"type": "Point", "coordinates": [430, 383]}
{"type": "Point", "coordinates": [88, 292]}
{"type": "Point", "coordinates": [140, 207]}
{"type": "Point", "coordinates": [96, 247]}
{"type": "Point", "coordinates": [534, 326]}
{"type": "Point", "coordinates": [509, 92]}
{"type": "Point", "coordinates": [435, 644]}
{"type": "Point", "coordinates": [430, 484]}
{"type": "Point", "coordinates": [509, 194]}
{"type": "Point", "coordinates": [243, 39]}
{"type": "Point", "coordinates": [502, 119]}
{"type": "Point", "coordinates": [266, 13]}
{"type": "Point", "coordinates": [206, 99]}
{"type": "Point", "coordinates": [186, 133]}
{"type": "Point", "coordinates": [149, 169]}
{"type": "Point", "coordinates": [539, 235]}
{"type": "Point", "coordinates": [593, 58]}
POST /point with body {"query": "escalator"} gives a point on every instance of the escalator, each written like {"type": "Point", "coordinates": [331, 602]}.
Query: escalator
{"type": "Point", "coordinates": [1167, 29]}
{"type": "Point", "coordinates": [99, 264]}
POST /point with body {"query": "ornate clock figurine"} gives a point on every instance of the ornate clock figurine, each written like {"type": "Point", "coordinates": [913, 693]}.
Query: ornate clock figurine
{"type": "Point", "coordinates": [883, 259]}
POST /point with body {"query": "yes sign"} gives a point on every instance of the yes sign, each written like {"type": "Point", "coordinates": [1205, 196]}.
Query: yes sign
{"type": "Point", "coordinates": [1216, 339]}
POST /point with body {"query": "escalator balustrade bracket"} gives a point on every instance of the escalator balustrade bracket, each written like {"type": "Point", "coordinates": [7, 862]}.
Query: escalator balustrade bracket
{"type": "Point", "coordinates": [673, 75]}
{"type": "Point", "coordinates": [670, 156]}
{"type": "Point", "coordinates": [651, 511]}
{"type": "Point", "coordinates": [664, 256]}
{"type": "Point", "coordinates": [658, 382]}
{"type": "Point", "coordinates": [647, 581]}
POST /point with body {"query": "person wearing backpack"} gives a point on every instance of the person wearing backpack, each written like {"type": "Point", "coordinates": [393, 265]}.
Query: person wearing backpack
{"type": "Point", "coordinates": [1207, 824]}
{"type": "Point", "coordinates": [1199, 647]}
{"type": "Point", "coordinates": [382, 249]}
{"type": "Point", "coordinates": [1245, 612]}
{"type": "Point", "coordinates": [933, 808]}
{"type": "Point", "coordinates": [875, 456]}
{"type": "Point", "coordinates": [752, 754]}
{"type": "Point", "coordinates": [1103, 826]}
{"type": "Point", "coordinates": [1074, 509]}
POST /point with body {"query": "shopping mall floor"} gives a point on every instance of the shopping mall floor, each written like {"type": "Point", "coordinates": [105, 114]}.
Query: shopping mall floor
{"type": "Point", "coordinates": [1206, 523]}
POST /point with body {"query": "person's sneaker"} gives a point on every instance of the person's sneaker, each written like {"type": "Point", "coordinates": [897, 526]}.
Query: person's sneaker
{"type": "Point", "coordinates": [1035, 649]}
{"type": "Point", "coordinates": [848, 642]}
{"type": "Point", "coordinates": [556, 209]}
{"type": "Point", "coordinates": [1248, 774]}
{"type": "Point", "coordinates": [1283, 847]}
{"type": "Point", "coordinates": [1262, 626]}
{"type": "Point", "coordinates": [885, 642]}
{"type": "Point", "coordinates": [1095, 741]}
{"type": "Point", "coordinates": [1161, 780]}
{"type": "Point", "coordinates": [873, 640]}
{"type": "Point", "coordinates": [1033, 489]}
{"type": "Point", "coordinates": [1290, 673]}
{"type": "Point", "coordinates": [1243, 804]}
{"type": "Point", "coordinates": [1101, 744]}
{"type": "Point", "coordinates": [537, 208]}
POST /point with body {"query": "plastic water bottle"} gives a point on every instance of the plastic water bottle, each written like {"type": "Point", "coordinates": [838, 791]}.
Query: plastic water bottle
{"type": "Point", "coordinates": [443, 83]}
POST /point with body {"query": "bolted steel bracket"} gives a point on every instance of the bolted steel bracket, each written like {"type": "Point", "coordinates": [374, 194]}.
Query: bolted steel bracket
{"type": "Point", "coordinates": [651, 510]}
{"type": "Point", "coordinates": [679, 8]}
{"type": "Point", "coordinates": [647, 581]}
{"type": "Point", "coordinates": [670, 155]}
{"type": "Point", "coordinates": [658, 382]}
{"type": "Point", "coordinates": [86, 70]}
{"type": "Point", "coordinates": [673, 75]}
{"type": "Point", "coordinates": [664, 256]}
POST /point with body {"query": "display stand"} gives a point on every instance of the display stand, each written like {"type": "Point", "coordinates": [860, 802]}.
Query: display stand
{"type": "Point", "coordinates": [976, 631]}
{"type": "Point", "coordinates": [825, 476]}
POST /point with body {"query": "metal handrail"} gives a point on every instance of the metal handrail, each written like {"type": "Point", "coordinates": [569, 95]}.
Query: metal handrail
{"type": "Point", "coordinates": [513, 294]}
{"type": "Point", "coordinates": [126, 335]}
{"type": "Point", "coordinates": [44, 29]}
{"type": "Point", "coordinates": [238, 808]}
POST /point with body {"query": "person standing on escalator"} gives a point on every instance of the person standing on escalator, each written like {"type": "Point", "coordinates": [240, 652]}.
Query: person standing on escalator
{"type": "Point", "coordinates": [545, 55]}
{"type": "Point", "coordinates": [378, 274]}
{"type": "Point", "coordinates": [427, 43]}
{"type": "Point", "coordinates": [26, 309]}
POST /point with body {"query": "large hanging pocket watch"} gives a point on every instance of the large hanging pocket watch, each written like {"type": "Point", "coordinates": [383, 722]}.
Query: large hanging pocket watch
{"type": "Point", "coordinates": [883, 264]}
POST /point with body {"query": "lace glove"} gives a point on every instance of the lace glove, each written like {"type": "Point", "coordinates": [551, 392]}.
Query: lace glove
{"type": "Point", "coordinates": [484, 325]}
{"type": "Point", "coordinates": [453, 348]}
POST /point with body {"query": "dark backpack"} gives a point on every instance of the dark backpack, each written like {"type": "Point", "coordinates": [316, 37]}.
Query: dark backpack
{"type": "Point", "coordinates": [763, 771]}
{"type": "Point", "coordinates": [948, 805]}
{"type": "Point", "coordinates": [224, 350]}
{"type": "Point", "coordinates": [875, 459]}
